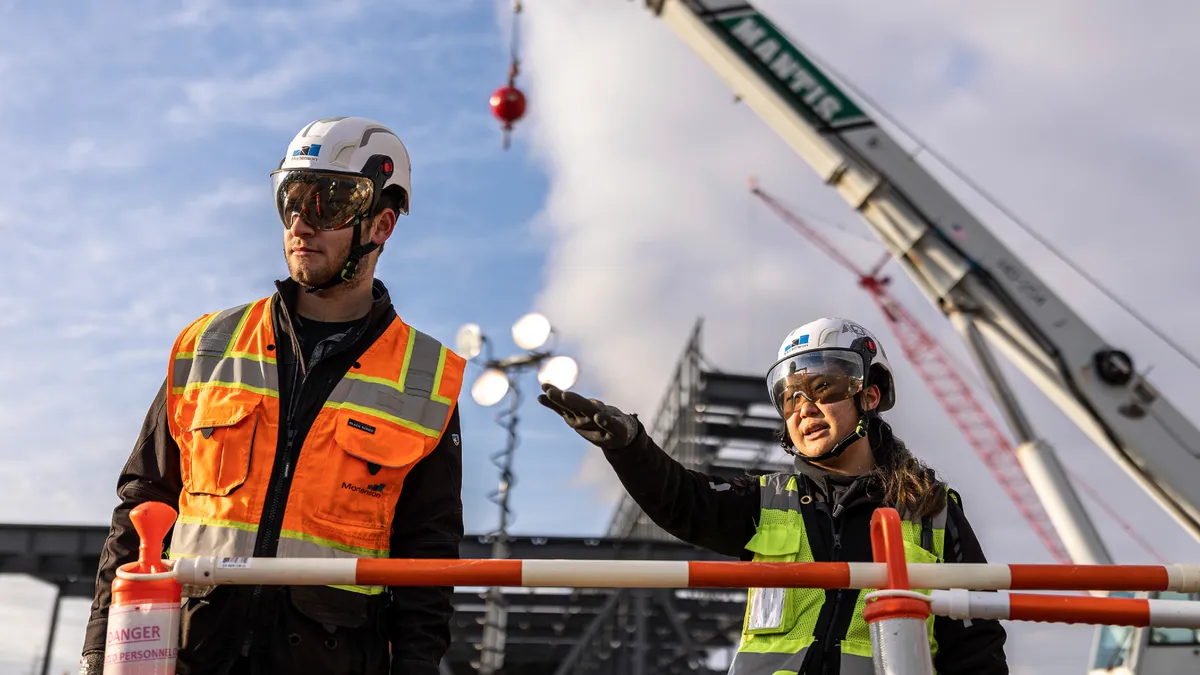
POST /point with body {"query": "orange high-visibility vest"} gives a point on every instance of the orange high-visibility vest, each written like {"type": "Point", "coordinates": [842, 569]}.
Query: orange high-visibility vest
{"type": "Point", "coordinates": [387, 413]}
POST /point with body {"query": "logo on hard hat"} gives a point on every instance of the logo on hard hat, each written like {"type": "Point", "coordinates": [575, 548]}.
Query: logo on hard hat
{"type": "Point", "coordinates": [802, 340]}
{"type": "Point", "coordinates": [849, 327]}
{"type": "Point", "coordinates": [310, 151]}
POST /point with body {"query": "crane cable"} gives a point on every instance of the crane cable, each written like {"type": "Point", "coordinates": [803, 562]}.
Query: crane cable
{"type": "Point", "coordinates": [514, 54]}
{"type": "Point", "coordinates": [923, 146]}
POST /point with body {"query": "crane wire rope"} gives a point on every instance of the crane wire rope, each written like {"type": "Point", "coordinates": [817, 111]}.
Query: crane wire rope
{"type": "Point", "coordinates": [927, 148]}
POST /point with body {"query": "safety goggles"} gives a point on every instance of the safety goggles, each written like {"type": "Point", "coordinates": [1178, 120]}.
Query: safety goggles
{"type": "Point", "coordinates": [820, 376]}
{"type": "Point", "coordinates": [325, 201]}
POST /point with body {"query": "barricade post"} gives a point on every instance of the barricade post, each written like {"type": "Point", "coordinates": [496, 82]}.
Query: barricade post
{"type": "Point", "coordinates": [143, 619]}
{"type": "Point", "coordinates": [896, 614]}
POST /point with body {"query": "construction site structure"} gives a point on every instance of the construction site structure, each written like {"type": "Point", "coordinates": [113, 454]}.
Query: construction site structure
{"type": "Point", "coordinates": [992, 297]}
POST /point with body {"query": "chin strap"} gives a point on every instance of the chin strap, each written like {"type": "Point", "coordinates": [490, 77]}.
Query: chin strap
{"type": "Point", "coordinates": [860, 431]}
{"type": "Point", "coordinates": [357, 251]}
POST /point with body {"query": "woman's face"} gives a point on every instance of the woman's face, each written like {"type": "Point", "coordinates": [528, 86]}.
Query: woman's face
{"type": "Point", "coordinates": [816, 427]}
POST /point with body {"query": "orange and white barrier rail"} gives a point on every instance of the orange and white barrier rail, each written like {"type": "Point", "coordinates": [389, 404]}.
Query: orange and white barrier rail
{"type": "Point", "coordinates": [947, 580]}
{"type": "Point", "coordinates": [959, 604]}
{"type": "Point", "coordinates": [672, 574]}
{"type": "Point", "coordinates": [143, 631]}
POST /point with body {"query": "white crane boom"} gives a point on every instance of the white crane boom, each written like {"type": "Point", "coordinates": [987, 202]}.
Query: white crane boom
{"type": "Point", "coordinates": [960, 266]}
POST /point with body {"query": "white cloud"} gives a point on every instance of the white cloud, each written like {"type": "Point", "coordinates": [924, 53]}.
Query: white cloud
{"type": "Point", "coordinates": [226, 98]}
{"type": "Point", "coordinates": [1080, 117]}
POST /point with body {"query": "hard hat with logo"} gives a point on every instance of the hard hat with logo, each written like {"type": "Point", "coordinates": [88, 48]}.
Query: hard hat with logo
{"type": "Point", "coordinates": [336, 173]}
{"type": "Point", "coordinates": [829, 360]}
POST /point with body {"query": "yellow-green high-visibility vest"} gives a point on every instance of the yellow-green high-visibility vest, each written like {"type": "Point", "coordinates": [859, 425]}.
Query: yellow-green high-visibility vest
{"type": "Point", "coordinates": [779, 625]}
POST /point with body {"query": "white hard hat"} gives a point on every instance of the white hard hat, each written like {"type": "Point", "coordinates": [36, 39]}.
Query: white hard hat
{"type": "Point", "coordinates": [352, 145]}
{"type": "Point", "coordinates": [334, 175]}
{"type": "Point", "coordinates": [832, 334]}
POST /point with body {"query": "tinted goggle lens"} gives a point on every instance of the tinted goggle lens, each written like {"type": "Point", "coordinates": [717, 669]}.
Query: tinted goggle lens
{"type": "Point", "coordinates": [324, 201]}
{"type": "Point", "coordinates": [819, 377]}
{"type": "Point", "coordinates": [818, 389]}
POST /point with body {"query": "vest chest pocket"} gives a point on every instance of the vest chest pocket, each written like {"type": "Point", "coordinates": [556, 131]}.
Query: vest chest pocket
{"type": "Point", "coordinates": [216, 445]}
{"type": "Point", "coordinates": [774, 611]}
{"type": "Point", "coordinates": [365, 470]}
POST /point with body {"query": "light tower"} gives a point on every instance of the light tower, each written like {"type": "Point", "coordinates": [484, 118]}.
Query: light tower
{"type": "Point", "coordinates": [500, 378]}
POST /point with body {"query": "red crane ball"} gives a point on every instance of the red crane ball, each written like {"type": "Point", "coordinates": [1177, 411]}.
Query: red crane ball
{"type": "Point", "coordinates": [508, 105]}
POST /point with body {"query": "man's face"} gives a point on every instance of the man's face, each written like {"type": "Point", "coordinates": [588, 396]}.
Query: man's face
{"type": "Point", "coordinates": [314, 256]}
{"type": "Point", "coordinates": [310, 201]}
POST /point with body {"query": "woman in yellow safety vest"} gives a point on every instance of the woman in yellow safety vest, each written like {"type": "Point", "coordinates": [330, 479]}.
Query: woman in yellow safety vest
{"type": "Point", "coordinates": [829, 382]}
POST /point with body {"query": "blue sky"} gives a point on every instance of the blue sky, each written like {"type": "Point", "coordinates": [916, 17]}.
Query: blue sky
{"type": "Point", "coordinates": [140, 138]}
{"type": "Point", "coordinates": [153, 136]}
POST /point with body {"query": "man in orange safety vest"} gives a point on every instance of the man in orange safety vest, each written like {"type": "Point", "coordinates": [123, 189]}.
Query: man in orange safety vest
{"type": "Point", "coordinates": [311, 423]}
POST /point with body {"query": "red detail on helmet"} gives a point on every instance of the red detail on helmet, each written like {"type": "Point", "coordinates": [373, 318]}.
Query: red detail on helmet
{"type": "Point", "coordinates": [388, 167]}
{"type": "Point", "coordinates": [508, 105]}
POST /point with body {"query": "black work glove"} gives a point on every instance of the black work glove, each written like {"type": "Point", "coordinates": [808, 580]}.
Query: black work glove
{"type": "Point", "coordinates": [604, 425]}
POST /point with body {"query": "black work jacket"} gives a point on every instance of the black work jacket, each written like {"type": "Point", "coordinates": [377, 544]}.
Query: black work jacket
{"type": "Point", "coordinates": [305, 628]}
{"type": "Point", "coordinates": [722, 515]}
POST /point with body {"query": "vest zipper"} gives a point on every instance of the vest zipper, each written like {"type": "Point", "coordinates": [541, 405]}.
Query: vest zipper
{"type": "Point", "coordinates": [267, 544]}
{"type": "Point", "coordinates": [268, 527]}
{"type": "Point", "coordinates": [836, 526]}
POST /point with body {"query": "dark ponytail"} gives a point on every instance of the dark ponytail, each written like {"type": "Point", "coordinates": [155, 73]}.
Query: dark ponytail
{"type": "Point", "coordinates": [909, 485]}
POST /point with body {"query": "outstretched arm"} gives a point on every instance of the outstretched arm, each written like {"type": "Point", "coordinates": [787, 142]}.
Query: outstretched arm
{"type": "Point", "coordinates": [701, 509]}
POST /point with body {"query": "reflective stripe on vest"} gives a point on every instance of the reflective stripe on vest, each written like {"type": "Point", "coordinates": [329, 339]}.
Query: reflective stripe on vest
{"type": "Point", "coordinates": [779, 623]}
{"type": "Point", "coordinates": [383, 416]}
{"type": "Point", "coordinates": [215, 363]}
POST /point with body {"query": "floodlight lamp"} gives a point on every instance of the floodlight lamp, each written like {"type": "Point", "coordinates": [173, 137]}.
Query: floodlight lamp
{"type": "Point", "coordinates": [490, 387]}
{"type": "Point", "coordinates": [559, 371]}
{"type": "Point", "coordinates": [531, 331]}
{"type": "Point", "coordinates": [469, 341]}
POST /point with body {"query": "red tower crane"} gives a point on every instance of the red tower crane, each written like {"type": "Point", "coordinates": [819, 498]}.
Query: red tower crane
{"type": "Point", "coordinates": [951, 390]}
